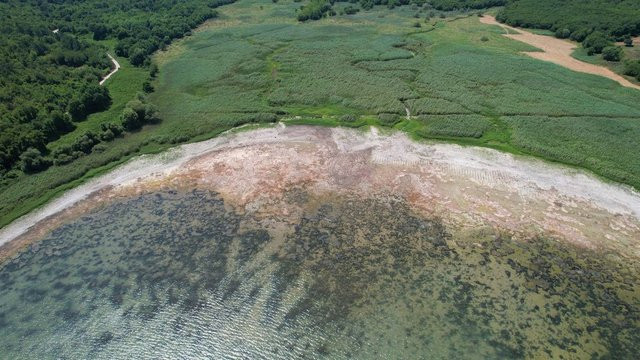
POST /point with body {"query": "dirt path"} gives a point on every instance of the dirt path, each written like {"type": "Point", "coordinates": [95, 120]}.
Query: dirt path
{"type": "Point", "coordinates": [117, 67]}
{"type": "Point", "coordinates": [557, 51]}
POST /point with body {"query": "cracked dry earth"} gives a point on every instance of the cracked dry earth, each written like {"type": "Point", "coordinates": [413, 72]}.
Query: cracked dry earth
{"type": "Point", "coordinates": [469, 189]}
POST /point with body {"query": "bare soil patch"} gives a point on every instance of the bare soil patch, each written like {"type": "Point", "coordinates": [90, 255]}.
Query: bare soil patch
{"type": "Point", "coordinates": [557, 51]}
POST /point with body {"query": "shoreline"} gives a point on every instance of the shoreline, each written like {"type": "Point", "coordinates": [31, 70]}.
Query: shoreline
{"type": "Point", "coordinates": [468, 186]}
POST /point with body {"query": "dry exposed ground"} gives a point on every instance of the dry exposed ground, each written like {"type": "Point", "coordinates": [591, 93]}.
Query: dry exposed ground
{"type": "Point", "coordinates": [557, 51]}
{"type": "Point", "coordinates": [468, 188]}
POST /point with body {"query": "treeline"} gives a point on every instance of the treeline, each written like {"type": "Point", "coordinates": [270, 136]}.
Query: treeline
{"type": "Point", "coordinates": [317, 9]}
{"type": "Point", "coordinates": [449, 5]}
{"type": "Point", "coordinates": [51, 62]}
{"type": "Point", "coordinates": [136, 114]}
{"type": "Point", "coordinates": [580, 18]}
{"type": "Point", "coordinates": [44, 78]}
{"type": "Point", "coordinates": [597, 24]}
{"type": "Point", "coordinates": [155, 25]}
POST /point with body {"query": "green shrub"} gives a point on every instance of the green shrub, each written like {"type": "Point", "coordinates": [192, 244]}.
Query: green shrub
{"type": "Point", "coordinates": [595, 42]}
{"type": "Point", "coordinates": [348, 118]}
{"type": "Point", "coordinates": [387, 119]}
{"type": "Point", "coordinates": [147, 87]}
{"type": "Point", "coordinates": [563, 33]}
{"type": "Point", "coordinates": [62, 159]}
{"type": "Point", "coordinates": [632, 68]}
{"type": "Point", "coordinates": [130, 119]}
{"type": "Point", "coordinates": [314, 10]}
{"type": "Point", "coordinates": [85, 142]}
{"type": "Point", "coordinates": [32, 161]}
{"type": "Point", "coordinates": [98, 148]}
{"type": "Point", "coordinates": [612, 53]}
{"type": "Point", "coordinates": [350, 10]}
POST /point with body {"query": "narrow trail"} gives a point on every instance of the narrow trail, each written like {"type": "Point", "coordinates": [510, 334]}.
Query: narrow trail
{"type": "Point", "coordinates": [556, 51]}
{"type": "Point", "coordinates": [117, 67]}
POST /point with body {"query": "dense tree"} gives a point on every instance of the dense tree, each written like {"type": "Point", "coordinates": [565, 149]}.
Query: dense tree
{"type": "Point", "coordinates": [48, 78]}
{"type": "Point", "coordinates": [632, 68]}
{"type": "Point", "coordinates": [61, 122]}
{"type": "Point", "coordinates": [628, 41]}
{"type": "Point", "coordinates": [130, 119]}
{"type": "Point", "coordinates": [448, 5]}
{"type": "Point", "coordinates": [595, 42]}
{"type": "Point", "coordinates": [613, 19]}
{"type": "Point", "coordinates": [563, 33]}
{"type": "Point", "coordinates": [32, 161]}
{"type": "Point", "coordinates": [612, 53]}
{"type": "Point", "coordinates": [314, 10]}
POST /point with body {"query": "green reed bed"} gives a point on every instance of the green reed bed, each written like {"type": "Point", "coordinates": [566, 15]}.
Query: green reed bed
{"type": "Point", "coordinates": [257, 64]}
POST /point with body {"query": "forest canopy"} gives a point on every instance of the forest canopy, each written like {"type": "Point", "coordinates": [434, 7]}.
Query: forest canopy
{"type": "Point", "coordinates": [52, 58]}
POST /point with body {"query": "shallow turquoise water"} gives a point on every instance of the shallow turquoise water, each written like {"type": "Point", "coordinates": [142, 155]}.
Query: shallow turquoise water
{"type": "Point", "coordinates": [178, 275]}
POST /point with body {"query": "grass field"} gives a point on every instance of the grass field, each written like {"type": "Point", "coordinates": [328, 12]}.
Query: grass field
{"type": "Point", "coordinates": [460, 80]}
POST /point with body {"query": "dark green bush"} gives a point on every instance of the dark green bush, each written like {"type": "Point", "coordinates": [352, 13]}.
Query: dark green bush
{"type": "Point", "coordinates": [314, 10]}
{"type": "Point", "coordinates": [349, 118]}
{"type": "Point", "coordinates": [632, 68]}
{"type": "Point", "coordinates": [350, 10]}
{"type": "Point", "coordinates": [32, 161]}
{"type": "Point", "coordinates": [628, 41]}
{"type": "Point", "coordinates": [563, 33]}
{"type": "Point", "coordinates": [612, 53]}
{"type": "Point", "coordinates": [595, 42]}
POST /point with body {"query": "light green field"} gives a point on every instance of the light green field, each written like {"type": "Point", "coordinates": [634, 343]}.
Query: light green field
{"type": "Point", "coordinates": [257, 64]}
{"type": "Point", "coordinates": [456, 86]}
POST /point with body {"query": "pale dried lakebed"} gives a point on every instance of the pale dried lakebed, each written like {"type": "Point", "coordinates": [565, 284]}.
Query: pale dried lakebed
{"type": "Point", "coordinates": [317, 242]}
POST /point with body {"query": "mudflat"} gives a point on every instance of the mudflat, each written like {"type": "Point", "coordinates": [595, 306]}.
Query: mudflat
{"type": "Point", "coordinates": [557, 51]}
{"type": "Point", "coordinates": [468, 188]}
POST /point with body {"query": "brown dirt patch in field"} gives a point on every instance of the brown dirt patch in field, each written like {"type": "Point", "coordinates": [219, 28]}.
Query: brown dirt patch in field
{"type": "Point", "coordinates": [557, 51]}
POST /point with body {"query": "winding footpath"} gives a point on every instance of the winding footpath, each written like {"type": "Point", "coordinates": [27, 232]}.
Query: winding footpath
{"type": "Point", "coordinates": [115, 64]}
{"type": "Point", "coordinates": [556, 51]}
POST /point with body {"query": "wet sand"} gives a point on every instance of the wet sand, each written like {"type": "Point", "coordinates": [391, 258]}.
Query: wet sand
{"type": "Point", "coordinates": [469, 188]}
{"type": "Point", "coordinates": [557, 51]}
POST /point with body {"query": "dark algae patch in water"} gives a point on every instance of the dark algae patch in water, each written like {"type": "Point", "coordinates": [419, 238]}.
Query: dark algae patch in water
{"type": "Point", "coordinates": [179, 274]}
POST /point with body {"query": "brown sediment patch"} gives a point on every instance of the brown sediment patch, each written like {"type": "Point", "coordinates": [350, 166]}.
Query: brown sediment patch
{"type": "Point", "coordinates": [557, 51]}
{"type": "Point", "coordinates": [467, 188]}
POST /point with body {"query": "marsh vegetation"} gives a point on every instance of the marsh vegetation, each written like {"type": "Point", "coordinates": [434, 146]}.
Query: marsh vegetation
{"type": "Point", "coordinates": [459, 80]}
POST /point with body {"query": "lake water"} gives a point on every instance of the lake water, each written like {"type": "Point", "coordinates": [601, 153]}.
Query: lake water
{"type": "Point", "coordinates": [179, 274]}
